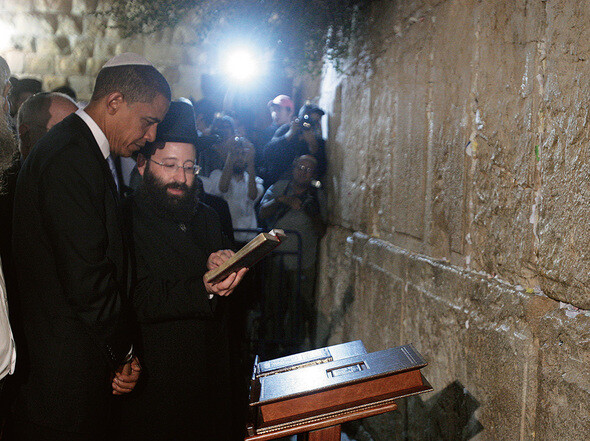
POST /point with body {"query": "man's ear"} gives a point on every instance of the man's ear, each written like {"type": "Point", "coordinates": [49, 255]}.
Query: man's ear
{"type": "Point", "coordinates": [24, 137]}
{"type": "Point", "coordinates": [5, 93]}
{"type": "Point", "coordinates": [141, 164]}
{"type": "Point", "coordinates": [114, 102]}
{"type": "Point", "coordinates": [23, 130]}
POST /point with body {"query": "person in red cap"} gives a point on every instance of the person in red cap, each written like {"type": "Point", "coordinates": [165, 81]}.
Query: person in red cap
{"type": "Point", "coordinates": [282, 110]}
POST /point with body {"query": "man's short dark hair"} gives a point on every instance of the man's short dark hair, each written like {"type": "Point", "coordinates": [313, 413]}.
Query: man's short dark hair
{"type": "Point", "coordinates": [35, 110]}
{"type": "Point", "coordinates": [137, 83]}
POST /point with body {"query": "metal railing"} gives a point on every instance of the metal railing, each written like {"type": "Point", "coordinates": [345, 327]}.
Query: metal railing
{"type": "Point", "coordinates": [273, 280]}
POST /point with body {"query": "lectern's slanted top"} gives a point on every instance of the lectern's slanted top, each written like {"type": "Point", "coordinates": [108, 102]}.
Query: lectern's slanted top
{"type": "Point", "coordinates": [338, 373]}
{"type": "Point", "coordinates": [318, 389]}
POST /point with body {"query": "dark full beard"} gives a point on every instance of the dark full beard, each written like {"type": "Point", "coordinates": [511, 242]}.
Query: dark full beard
{"type": "Point", "coordinates": [155, 192]}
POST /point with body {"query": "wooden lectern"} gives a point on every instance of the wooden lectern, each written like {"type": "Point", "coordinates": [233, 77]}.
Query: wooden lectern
{"type": "Point", "coordinates": [312, 393]}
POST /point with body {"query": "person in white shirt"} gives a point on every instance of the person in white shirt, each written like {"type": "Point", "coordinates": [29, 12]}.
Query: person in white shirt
{"type": "Point", "coordinates": [238, 184]}
{"type": "Point", "coordinates": [7, 347]}
{"type": "Point", "coordinates": [7, 150]}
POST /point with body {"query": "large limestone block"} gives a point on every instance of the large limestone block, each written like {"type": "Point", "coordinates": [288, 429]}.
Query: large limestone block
{"type": "Point", "coordinates": [495, 361]}
{"type": "Point", "coordinates": [506, 135]}
{"type": "Point", "coordinates": [564, 391]}
{"type": "Point", "coordinates": [376, 316]}
{"type": "Point", "coordinates": [81, 7]}
{"type": "Point", "coordinates": [82, 47]}
{"type": "Point", "coordinates": [16, 6]}
{"type": "Point", "coordinates": [408, 161]}
{"type": "Point", "coordinates": [70, 66]}
{"type": "Point", "coordinates": [16, 60]}
{"type": "Point", "coordinates": [564, 261]}
{"type": "Point", "coordinates": [450, 121]}
{"type": "Point", "coordinates": [35, 24]}
{"type": "Point", "coordinates": [349, 167]}
{"type": "Point", "coordinates": [68, 25]}
{"type": "Point", "coordinates": [53, 46]}
{"type": "Point", "coordinates": [334, 288]}
{"type": "Point", "coordinates": [379, 209]}
{"type": "Point", "coordinates": [52, 6]}
{"type": "Point", "coordinates": [39, 64]}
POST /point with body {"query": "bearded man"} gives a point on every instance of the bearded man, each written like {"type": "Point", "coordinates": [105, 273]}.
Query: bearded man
{"type": "Point", "coordinates": [184, 392]}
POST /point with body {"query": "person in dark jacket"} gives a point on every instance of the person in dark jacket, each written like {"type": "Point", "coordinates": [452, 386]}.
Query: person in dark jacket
{"type": "Point", "coordinates": [300, 137]}
{"type": "Point", "coordinates": [71, 258]}
{"type": "Point", "coordinates": [184, 392]}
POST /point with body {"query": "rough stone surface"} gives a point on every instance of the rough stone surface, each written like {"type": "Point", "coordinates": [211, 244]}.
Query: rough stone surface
{"type": "Point", "coordinates": [504, 363]}
{"type": "Point", "coordinates": [66, 38]}
{"type": "Point", "coordinates": [63, 6]}
{"type": "Point", "coordinates": [458, 175]}
{"type": "Point", "coordinates": [458, 194]}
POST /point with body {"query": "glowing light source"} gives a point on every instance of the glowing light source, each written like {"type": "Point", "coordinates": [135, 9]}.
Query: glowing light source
{"type": "Point", "coordinates": [241, 65]}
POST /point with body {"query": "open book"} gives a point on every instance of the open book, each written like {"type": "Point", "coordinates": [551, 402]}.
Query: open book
{"type": "Point", "coordinates": [251, 253]}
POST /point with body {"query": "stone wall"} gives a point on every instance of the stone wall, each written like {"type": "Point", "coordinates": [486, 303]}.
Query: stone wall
{"type": "Point", "coordinates": [67, 42]}
{"type": "Point", "coordinates": [458, 193]}
{"type": "Point", "coordinates": [459, 203]}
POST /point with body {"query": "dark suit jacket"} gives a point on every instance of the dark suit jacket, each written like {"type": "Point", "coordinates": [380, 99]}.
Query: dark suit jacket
{"type": "Point", "coordinates": [71, 262]}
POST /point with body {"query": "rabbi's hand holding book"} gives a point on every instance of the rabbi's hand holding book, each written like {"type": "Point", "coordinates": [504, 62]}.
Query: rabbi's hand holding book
{"type": "Point", "coordinates": [227, 285]}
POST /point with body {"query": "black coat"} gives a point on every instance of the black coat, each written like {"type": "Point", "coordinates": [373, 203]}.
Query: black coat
{"type": "Point", "coordinates": [72, 268]}
{"type": "Point", "coordinates": [279, 153]}
{"type": "Point", "coordinates": [184, 391]}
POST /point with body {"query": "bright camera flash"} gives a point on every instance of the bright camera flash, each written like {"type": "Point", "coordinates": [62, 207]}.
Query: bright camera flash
{"type": "Point", "coordinates": [241, 65]}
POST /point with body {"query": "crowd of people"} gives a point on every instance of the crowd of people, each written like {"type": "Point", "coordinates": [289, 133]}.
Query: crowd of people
{"type": "Point", "coordinates": [110, 214]}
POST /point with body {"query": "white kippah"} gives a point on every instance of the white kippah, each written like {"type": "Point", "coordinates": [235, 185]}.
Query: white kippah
{"type": "Point", "coordinates": [127, 59]}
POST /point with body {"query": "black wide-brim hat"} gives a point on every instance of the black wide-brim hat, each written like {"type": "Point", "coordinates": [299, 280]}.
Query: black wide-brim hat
{"type": "Point", "coordinates": [178, 124]}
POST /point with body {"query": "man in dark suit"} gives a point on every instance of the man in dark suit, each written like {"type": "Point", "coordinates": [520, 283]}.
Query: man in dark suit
{"type": "Point", "coordinates": [184, 393]}
{"type": "Point", "coordinates": [71, 258]}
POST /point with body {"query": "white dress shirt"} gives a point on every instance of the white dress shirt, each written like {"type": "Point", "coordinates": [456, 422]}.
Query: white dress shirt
{"type": "Point", "coordinates": [99, 136]}
{"type": "Point", "coordinates": [7, 346]}
{"type": "Point", "coordinates": [241, 207]}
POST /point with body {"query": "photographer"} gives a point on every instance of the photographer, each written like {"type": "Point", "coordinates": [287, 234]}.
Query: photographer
{"type": "Point", "coordinates": [238, 184]}
{"type": "Point", "coordinates": [213, 157]}
{"type": "Point", "coordinates": [295, 204]}
{"type": "Point", "coordinates": [292, 141]}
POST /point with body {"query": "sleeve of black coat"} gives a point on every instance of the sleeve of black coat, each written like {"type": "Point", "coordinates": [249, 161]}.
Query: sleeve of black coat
{"type": "Point", "coordinates": [72, 205]}
{"type": "Point", "coordinates": [157, 299]}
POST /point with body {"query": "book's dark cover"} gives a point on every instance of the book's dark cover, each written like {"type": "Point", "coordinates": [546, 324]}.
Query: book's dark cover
{"type": "Point", "coordinates": [247, 256]}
